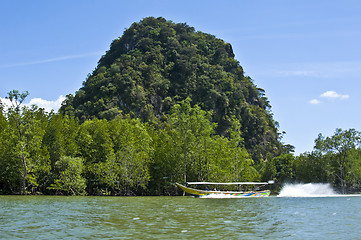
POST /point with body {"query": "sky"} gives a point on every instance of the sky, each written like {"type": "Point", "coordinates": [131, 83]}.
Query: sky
{"type": "Point", "coordinates": [305, 54]}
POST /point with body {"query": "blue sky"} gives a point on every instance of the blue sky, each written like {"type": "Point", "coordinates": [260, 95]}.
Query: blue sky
{"type": "Point", "coordinates": [305, 54]}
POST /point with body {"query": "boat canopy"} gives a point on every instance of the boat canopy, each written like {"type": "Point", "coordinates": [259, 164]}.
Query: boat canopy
{"type": "Point", "coordinates": [230, 183]}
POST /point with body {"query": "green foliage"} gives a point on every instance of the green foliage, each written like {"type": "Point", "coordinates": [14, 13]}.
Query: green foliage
{"type": "Point", "coordinates": [340, 150]}
{"type": "Point", "coordinates": [336, 160]}
{"type": "Point", "coordinates": [60, 137]}
{"type": "Point", "coordinates": [117, 155]}
{"type": "Point", "coordinates": [69, 178]}
{"type": "Point", "coordinates": [311, 167]}
{"type": "Point", "coordinates": [157, 63]}
{"type": "Point", "coordinates": [26, 160]}
{"type": "Point", "coordinates": [353, 168]}
{"type": "Point", "coordinates": [16, 99]}
{"type": "Point", "coordinates": [42, 153]}
{"type": "Point", "coordinates": [192, 128]}
{"type": "Point", "coordinates": [186, 149]}
{"type": "Point", "coordinates": [284, 167]}
{"type": "Point", "coordinates": [9, 175]}
{"type": "Point", "coordinates": [133, 149]}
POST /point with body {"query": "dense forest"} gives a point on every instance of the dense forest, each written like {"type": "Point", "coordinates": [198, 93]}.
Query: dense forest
{"type": "Point", "coordinates": [52, 153]}
{"type": "Point", "coordinates": [165, 104]}
{"type": "Point", "coordinates": [156, 64]}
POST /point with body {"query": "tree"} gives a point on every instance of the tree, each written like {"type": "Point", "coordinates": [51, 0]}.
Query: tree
{"type": "Point", "coordinates": [26, 129]}
{"type": "Point", "coordinates": [284, 167]}
{"type": "Point", "coordinates": [338, 148]}
{"type": "Point", "coordinates": [353, 175]}
{"type": "Point", "coordinates": [192, 127]}
{"type": "Point", "coordinates": [17, 99]}
{"type": "Point", "coordinates": [9, 176]}
{"type": "Point", "coordinates": [237, 143]}
{"type": "Point", "coordinates": [60, 136]}
{"type": "Point", "coordinates": [132, 154]}
{"type": "Point", "coordinates": [60, 141]}
{"type": "Point", "coordinates": [69, 178]}
{"type": "Point", "coordinates": [202, 155]}
{"type": "Point", "coordinates": [165, 167]}
{"type": "Point", "coordinates": [227, 164]}
{"type": "Point", "coordinates": [311, 167]}
{"type": "Point", "coordinates": [95, 147]}
{"type": "Point", "coordinates": [117, 155]}
{"type": "Point", "coordinates": [14, 113]}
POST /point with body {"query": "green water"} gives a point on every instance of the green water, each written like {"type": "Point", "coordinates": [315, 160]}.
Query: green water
{"type": "Point", "coordinates": [53, 217]}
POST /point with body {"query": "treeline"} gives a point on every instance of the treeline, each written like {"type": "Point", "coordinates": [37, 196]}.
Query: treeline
{"type": "Point", "coordinates": [50, 153]}
{"type": "Point", "coordinates": [335, 160]}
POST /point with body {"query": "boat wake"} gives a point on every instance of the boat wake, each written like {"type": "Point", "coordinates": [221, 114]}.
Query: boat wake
{"type": "Point", "coordinates": [308, 190]}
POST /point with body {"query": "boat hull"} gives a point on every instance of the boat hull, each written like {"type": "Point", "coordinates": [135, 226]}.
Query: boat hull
{"type": "Point", "coordinates": [223, 194]}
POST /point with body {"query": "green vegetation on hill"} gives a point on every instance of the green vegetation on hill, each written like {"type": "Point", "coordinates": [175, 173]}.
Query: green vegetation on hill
{"type": "Point", "coordinates": [158, 63]}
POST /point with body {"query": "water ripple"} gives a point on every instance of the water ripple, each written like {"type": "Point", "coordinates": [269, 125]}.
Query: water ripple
{"type": "Point", "coordinates": [49, 217]}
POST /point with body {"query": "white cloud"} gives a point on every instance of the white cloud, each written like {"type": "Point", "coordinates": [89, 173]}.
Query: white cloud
{"type": "Point", "coordinates": [334, 95]}
{"type": "Point", "coordinates": [329, 95]}
{"type": "Point", "coordinates": [315, 101]}
{"type": "Point", "coordinates": [41, 103]}
{"type": "Point", "coordinates": [46, 104]}
{"type": "Point", "coordinates": [5, 102]}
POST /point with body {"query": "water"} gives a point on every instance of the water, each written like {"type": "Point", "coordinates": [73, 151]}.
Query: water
{"type": "Point", "coordinates": [52, 217]}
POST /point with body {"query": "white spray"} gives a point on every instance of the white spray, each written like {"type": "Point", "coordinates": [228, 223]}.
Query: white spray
{"type": "Point", "coordinates": [307, 190]}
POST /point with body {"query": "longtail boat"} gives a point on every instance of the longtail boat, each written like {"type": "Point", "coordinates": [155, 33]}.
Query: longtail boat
{"type": "Point", "coordinates": [226, 194]}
